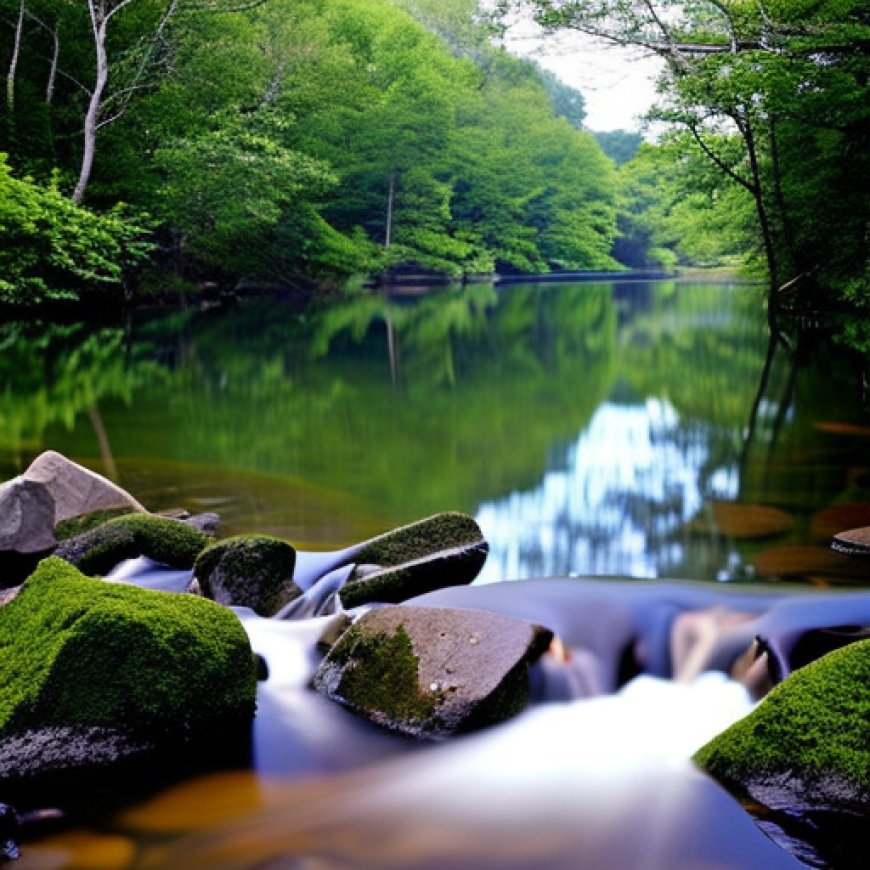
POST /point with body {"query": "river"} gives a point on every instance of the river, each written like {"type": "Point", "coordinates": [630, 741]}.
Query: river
{"type": "Point", "coordinates": [594, 429]}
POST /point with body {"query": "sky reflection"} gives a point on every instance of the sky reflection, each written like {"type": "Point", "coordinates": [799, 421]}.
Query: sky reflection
{"type": "Point", "coordinates": [611, 503]}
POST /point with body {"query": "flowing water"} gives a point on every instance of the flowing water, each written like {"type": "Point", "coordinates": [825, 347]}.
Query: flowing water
{"type": "Point", "coordinates": [592, 429]}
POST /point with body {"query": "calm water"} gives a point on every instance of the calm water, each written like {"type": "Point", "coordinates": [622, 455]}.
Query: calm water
{"type": "Point", "coordinates": [591, 428]}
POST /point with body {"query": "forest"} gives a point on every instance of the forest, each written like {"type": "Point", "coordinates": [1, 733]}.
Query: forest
{"type": "Point", "coordinates": [150, 147]}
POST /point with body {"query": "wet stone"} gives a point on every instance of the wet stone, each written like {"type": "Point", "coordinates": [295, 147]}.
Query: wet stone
{"type": "Point", "coordinates": [432, 672]}
{"type": "Point", "coordinates": [253, 571]}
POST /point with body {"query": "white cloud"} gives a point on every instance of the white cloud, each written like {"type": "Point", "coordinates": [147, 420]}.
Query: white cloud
{"type": "Point", "coordinates": [617, 83]}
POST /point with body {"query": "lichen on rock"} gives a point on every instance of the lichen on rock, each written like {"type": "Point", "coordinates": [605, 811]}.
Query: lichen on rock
{"type": "Point", "coordinates": [807, 745]}
{"type": "Point", "coordinates": [171, 542]}
{"type": "Point", "coordinates": [253, 571]}
{"type": "Point", "coordinates": [76, 651]}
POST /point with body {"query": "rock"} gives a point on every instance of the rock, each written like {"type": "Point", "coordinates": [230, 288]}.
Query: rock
{"type": "Point", "coordinates": [253, 571]}
{"type": "Point", "coordinates": [453, 567]}
{"type": "Point", "coordinates": [26, 517]}
{"type": "Point", "coordinates": [155, 666]}
{"type": "Point", "coordinates": [77, 490]}
{"type": "Point", "coordinates": [171, 542]}
{"type": "Point", "coordinates": [854, 542]}
{"type": "Point", "coordinates": [40, 762]}
{"type": "Point", "coordinates": [207, 522]}
{"type": "Point", "coordinates": [806, 747]}
{"type": "Point", "coordinates": [447, 549]}
{"type": "Point", "coordinates": [449, 533]}
{"type": "Point", "coordinates": [75, 526]}
{"type": "Point", "coordinates": [444, 531]}
{"type": "Point", "coordinates": [432, 672]}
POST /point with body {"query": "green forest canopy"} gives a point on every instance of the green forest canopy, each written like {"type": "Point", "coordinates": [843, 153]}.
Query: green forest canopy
{"type": "Point", "coordinates": [286, 141]}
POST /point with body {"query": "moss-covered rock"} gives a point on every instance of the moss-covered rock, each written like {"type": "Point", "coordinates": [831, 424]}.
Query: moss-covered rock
{"type": "Point", "coordinates": [454, 567]}
{"type": "Point", "coordinates": [807, 745]}
{"type": "Point", "coordinates": [75, 526]}
{"type": "Point", "coordinates": [76, 651]}
{"type": "Point", "coordinates": [447, 549]}
{"type": "Point", "coordinates": [432, 672]}
{"type": "Point", "coordinates": [253, 571]}
{"type": "Point", "coordinates": [444, 531]}
{"type": "Point", "coordinates": [171, 542]}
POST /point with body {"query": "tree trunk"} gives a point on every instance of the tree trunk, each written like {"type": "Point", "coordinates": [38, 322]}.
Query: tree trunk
{"type": "Point", "coordinates": [98, 23]}
{"type": "Point", "coordinates": [748, 134]}
{"type": "Point", "coordinates": [390, 195]}
{"type": "Point", "coordinates": [52, 72]}
{"type": "Point", "coordinates": [13, 61]}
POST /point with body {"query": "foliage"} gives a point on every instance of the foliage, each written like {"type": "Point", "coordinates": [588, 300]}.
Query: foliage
{"type": "Point", "coordinates": [674, 208]}
{"type": "Point", "coordinates": [775, 95]}
{"type": "Point", "coordinates": [54, 250]}
{"type": "Point", "coordinates": [619, 145]}
{"type": "Point", "coordinates": [312, 138]}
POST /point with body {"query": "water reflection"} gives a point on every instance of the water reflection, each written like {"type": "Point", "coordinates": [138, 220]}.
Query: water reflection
{"type": "Point", "coordinates": [612, 505]}
{"type": "Point", "coordinates": [590, 427]}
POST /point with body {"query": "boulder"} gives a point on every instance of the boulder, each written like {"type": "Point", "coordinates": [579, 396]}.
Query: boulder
{"type": "Point", "coordinates": [253, 571]}
{"type": "Point", "coordinates": [447, 549]}
{"type": "Point", "coordinates": [154, 666]}
{"type": "Point", "coordinates": [26, 517]}
{"type": "Point", "coordinates": [432, 672]}
{"type": "Point", "coordinates": [77, 490]}
{"type": "Point", "coordinates": [171, 542]}
{"type": "Point", "coordinates": [452, 567]}
{"type": "Point", "coordinates": [806, 747]}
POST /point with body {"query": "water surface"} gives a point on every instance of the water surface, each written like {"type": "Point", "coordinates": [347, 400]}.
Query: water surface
{"type": "Point", "coordinates": [591, 428]}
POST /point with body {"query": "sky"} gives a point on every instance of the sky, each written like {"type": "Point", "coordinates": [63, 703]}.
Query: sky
{"type": "Point", "coordinates": [618, 84]}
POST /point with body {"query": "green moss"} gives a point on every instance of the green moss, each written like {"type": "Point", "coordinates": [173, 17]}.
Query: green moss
{"type": "Point", "coordinates": [381, 674]}
{"type": "Point", "coordinates": [171, 542]}
{"type": "Point", "coordinates": [442, 531]}
{"type": "Point", "coordinates": [437, 571]}
{"type": "Point", "coordinates": [79, 651]}
{"type": "Point", "coordinates": [814, 724]}
{"type": "Point", "coordinates": [79, 525]}
{"type": "Point", "coordinates": [250, 570]}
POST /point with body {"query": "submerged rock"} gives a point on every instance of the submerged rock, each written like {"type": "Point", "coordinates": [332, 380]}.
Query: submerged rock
{"type": "Point", "coordinates": [77, 490]}
{"type": "Point", "coordinates": [253, 571]}
{"type": "Point", "coordinates": [447, 549]}
{"type": "Point", "coordinates": [171, 542]}
{"type": "Point", "coordinates": [158, 667]}
{"type": "Point", "coordinates": [806, 747]}
{"type": "Point", "coordinates": [432, 672]}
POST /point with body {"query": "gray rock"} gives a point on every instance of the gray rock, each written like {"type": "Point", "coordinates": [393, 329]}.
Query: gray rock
{"type": "Point", "coordinates": [253, 571]}
{"type": "Point", "coordinates": [26, 517]}
{"type": "Point", "coordinates": [77, 490]}
{"type": "Point", "coordinates": [42, 753]}
{"type": "Point", "coordinates": [432, 672]}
